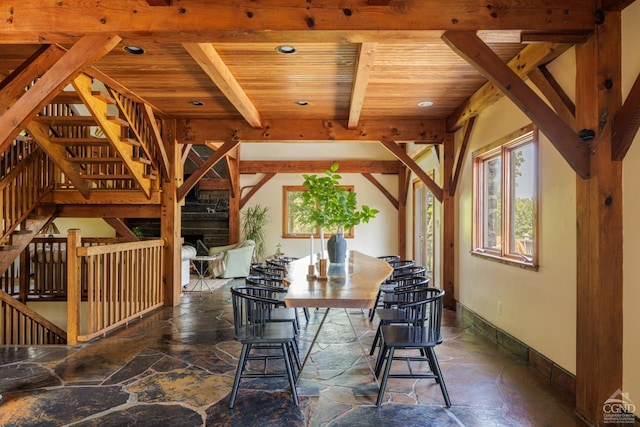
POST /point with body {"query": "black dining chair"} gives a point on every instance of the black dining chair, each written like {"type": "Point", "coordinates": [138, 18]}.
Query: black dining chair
{"type": "Point", "coordinates": [267, 270]}
{"type": "Point", "coordinates": [421, 331]}
{"type": "Point", "coordinates": [399, 266]}
{"type": "Point", "coordinates": [259, 336]}
{"type": "Point", "coordinates": [390, 296]}
{"type": "Point", "coordinates": [269, 288]}
{"type": "Point", "coordinates": [272, 276]}
{"type": "Point", "coordinates": [411, 290]}
{"type": "Point", "coordinates": [388, 258]}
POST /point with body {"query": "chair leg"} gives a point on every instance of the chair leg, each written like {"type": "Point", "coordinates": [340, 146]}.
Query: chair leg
{"type": "Point", "coordinates": [385, 377]}
{"type": "Point", "coordinates": [296, 355]}
{"type": "Point", "coordinates": [372, 312]}
{"type": "Point", "coordinates": [289, 366]}
{"type": "Point", "coordinates": [381, 356]}
{"type": "Point", "coordinates": [306, 314]}
{"type": "Point", "coordinates": [241, 364]}
{"type": "Point", "coordinates": [438, 372]}
{"type": "Point", "coordinates": [375, 341]}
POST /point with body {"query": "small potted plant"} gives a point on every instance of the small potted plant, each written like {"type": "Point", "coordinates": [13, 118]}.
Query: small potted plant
{"type": "Point", "coordinates": [327, 205]}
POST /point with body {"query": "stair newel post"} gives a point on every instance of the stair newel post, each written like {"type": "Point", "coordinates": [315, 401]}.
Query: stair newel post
{"type": "Point", "coordinates": [74, 285]}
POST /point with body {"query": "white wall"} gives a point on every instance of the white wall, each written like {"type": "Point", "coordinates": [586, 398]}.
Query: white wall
{"type": "Point", "coordinates": [537, 307]}
{"type": "Point", "coordinates": [631, 206]}
{"type": "Point", "coordinates": [378, 237]}
{"type": "Point", "coordinates": [89, 227]}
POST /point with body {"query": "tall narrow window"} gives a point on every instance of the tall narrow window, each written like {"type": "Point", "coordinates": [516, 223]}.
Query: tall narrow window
{"type": "Point", "coordinates": [505, 198]}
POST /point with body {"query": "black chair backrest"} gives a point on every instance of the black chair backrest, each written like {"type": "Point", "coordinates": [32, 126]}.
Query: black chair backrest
{"type": "Point", "coordinates": [409, 281]}
{"type": "Point", "coordinates": [424, 316]}
{"type": "Point", "coordinates": [280, 262]}
{"type": "Point", "coordinates": [264, 281]}
{"type": "Point", "coordinates": [416, 270]}
{"type": "Point", "coordinates": [267, 271]}
{"type": "Point", "coordinates": [252, 307]}
{"type": "Point", "coordinates": [389, 258]}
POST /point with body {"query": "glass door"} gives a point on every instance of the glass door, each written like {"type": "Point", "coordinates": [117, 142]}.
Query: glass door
{"type": "Point", "coordinates": [423, 226]}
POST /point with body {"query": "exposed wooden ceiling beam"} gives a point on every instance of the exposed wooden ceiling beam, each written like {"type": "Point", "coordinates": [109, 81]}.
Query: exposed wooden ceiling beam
{"type": "Point", "coordinates": [528, 59]}
{"type": "Point", "coordinates": [13, 86]}
{"type": "Point", "coordinates": [626, 123]}
{"type": "Point", "coordinates": [121, 229]}
{"type": "Point", "coordinates": [86, 51]}
{"type": "Point", "coordinates": [566, 38]}
{"type": "Point", "coordinates": [198, 161]}
{"type": "Point", "coordinates": [214, 184]}
{"type": "Point", "coordinates": [159, 2]}
{"type": "Point", "coordinates": [190, 182]}
{"type": "Point", "coordinates": [372, 179]}
{"type": "Point", "coordinates": [58, 155]}
{"type": "Point", "coordinates": [399, 152]}
{"type": "Point", "coordinates": [318, 166]}
{"type": "Point", "coordinates": [103, 197]}
{"type": "Point", "coordinates": [466, 137]}
{"type": "Point", "coordinates": [255, 188]}
{"type": "Point", "coordinates": [199, 131]}
{"type": "Point", "coordinates": [108, 211]}
{"type": "Point", "coordinates": [232, 168]}
{"type": "Point", "coordinates": [366, 55]}
{"type": "Point", "coordinates": [188, 19]}
{"type": "Point", "coordinates": [615, 5]}
{"type": "Point", "coordinates": [211, 63]}
{"type": "Point", "coordinates": [476, 52]}
{"type": "Point", "coordinates": [554, 93]}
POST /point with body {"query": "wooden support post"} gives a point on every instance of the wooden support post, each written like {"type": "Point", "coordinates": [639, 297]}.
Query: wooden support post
{"type": "Point", "coordinates": [171, 218]}
{"type": "Point", "coordinates": [447, 257]}
{"type": "Point", "coordinates": [74, 286]}
{"type": "Point", "coordinates": [233, 164]}
{"type": "Point", "coordinates": [599, 225]}
{"type": "Point", "coordinates": [403, 191]}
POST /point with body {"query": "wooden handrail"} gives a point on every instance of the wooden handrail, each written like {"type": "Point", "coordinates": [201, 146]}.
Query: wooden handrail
{"type": "Point", "coordinates": [123, 282]}
{"type": "Point", "coordinates": [23, 326]}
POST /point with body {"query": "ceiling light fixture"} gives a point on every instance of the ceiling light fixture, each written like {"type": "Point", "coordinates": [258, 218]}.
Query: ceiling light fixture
{"type": "Point", "coordinates": [302, 103]}
{"type": "Point", "coordinates": [196, 103]}
{"type": "Point", "coordinates": [425, 104]}
{"type": "Point", "coordinates": [134, 50]}
{"type": "Point", "coordinates": [286, 50]}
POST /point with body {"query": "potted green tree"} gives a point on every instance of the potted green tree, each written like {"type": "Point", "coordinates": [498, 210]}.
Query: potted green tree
{"type": "Point", "coordinates": [253, 222]}
{"type": "Point", "coordinates": [327, 205]}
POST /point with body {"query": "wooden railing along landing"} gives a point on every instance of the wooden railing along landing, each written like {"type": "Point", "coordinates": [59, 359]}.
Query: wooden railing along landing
{"type": "Point", "coordinates": [124, 281]}
{"type": "Point", "coordinates": [22, 326]}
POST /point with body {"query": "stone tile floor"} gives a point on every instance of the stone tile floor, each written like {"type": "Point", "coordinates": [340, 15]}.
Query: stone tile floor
{"type": "Point", "coordinates": [175, 367]}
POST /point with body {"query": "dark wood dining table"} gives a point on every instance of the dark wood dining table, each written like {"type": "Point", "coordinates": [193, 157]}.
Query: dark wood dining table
{"type": "Point", "coordinates": [351, 285]}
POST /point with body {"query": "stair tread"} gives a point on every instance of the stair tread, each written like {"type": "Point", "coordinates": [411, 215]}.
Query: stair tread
{"type": "Point", "coordinates": [95, 159]}
{"type": "Point", "coordinates": [66, 120]}
{"type": "Point", "coordinates": [83, 141]}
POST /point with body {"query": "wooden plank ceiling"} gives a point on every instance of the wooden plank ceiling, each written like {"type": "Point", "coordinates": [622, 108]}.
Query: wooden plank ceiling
{"type": "Point", "coordinates": [363, 63]}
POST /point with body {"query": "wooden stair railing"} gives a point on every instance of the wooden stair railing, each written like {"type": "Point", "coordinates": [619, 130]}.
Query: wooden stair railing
{"type": "Point", "coordinates": [20, 325]}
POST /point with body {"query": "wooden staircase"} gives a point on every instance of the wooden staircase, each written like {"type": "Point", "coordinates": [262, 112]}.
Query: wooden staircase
{"type": "Point", "coordinates": [94, 140]}
{"type": "Point", "coordinates": [19, 239]}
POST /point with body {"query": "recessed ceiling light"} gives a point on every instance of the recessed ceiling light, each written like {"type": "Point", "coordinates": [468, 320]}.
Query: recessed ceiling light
{"type": "Point", "coordinates": [425, 104]}
{"type": "Point", "coordinates": [286, 50]}
{"type": "Point", "coordinates": [196, 103]}
{"type": "Point", "coordinates": [302, 103]}
{"type": "Point", "coordinates": [134, 50]}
